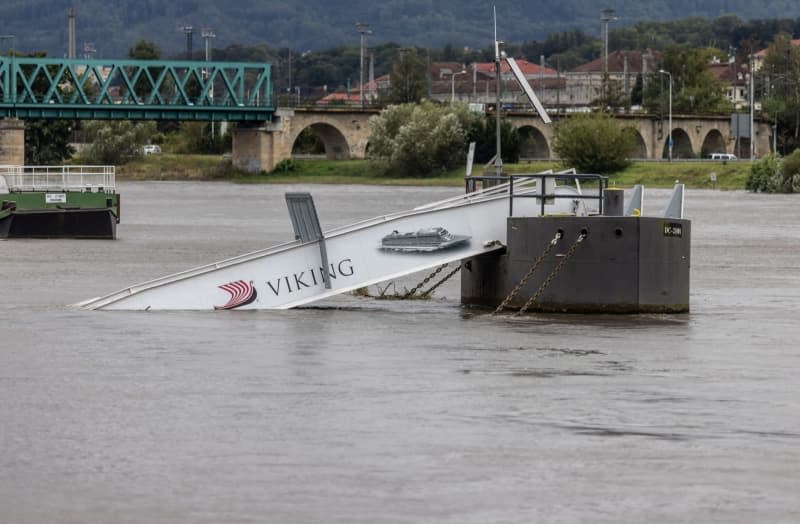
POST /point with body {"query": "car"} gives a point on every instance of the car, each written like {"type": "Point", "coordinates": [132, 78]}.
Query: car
{"type": "Point", "coordinates": [151, 149]}
{"type": "Point", "coordinates": [723, 156]}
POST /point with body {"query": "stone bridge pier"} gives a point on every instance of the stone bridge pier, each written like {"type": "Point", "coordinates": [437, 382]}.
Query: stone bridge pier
{"type": "Point", "coordinates": [12, 142]}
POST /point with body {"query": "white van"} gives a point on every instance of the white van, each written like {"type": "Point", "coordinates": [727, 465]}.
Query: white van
{"type": "Point", "coordinates": [151, 149]}
{"type": "Point", "coordinates": [723, 156]}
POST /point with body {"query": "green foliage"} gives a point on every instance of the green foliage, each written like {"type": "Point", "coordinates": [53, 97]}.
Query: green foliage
{"type": "Point", "coordinates": [308, 142]}
{"type": "Point", "coordinates": [773, 175]}
{"type": "Point", "coordinates": [789, 181]}
{"type": "Point", "coordinates": [636, 92]}
{"type": "Point", "coordinates": [144, 50]}
{"type": "Point", "coordinates": [484, 135]}
{"type": "Point", "coordinates": [315, 25]}
{"type": "Point", "coordinates": [782, 104]}
{"type": "Point", "coordinates": [695, 89]}
{"type": "Point", "coordinates": [593, 143]}
{"type": "Point", "coordinates": [192, 138]}
{"type": "Point", "coordinates": [421, 139]}
{"type": "Point", "coordinates": [764, 173]}
{"type": "Point", "coordinates": [287, 165]}
{"type": "Point", "coordinates": [409, 82]}
{"type": "Point", "coordinates": [613, 97]}
{"type": "Point", "coordinates": [115, 141]}
{"type": "Point", "coordinates": [47, 142]}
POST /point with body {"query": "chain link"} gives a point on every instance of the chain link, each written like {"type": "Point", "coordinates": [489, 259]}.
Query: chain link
{"type": "Point", "coordinates": [528, 275]}
{"type": "Point", "coordinates": [427, 279]}
{"type": "Point", "coordinates": [552, 275]}
{"type": "Point", "coordinates": [442, 281]}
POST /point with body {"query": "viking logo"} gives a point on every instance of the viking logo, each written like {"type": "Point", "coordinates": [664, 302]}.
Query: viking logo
{"type": "Point", "coordinates": [241, 292]}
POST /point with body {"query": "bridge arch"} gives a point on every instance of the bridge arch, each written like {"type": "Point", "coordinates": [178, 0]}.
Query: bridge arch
{"type": "Point", "coordinates": [333, 140]}
{"type": "Point", "coordinates": [714, 142]}
{"type": "Point", "coordinates": [681, 145]}
{"type": "Point", "coordinates": [640, 149]}
{"type": "Point", "coordinates": [532, 143]}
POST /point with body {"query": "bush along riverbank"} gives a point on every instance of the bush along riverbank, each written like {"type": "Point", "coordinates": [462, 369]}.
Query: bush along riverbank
{"type": "Point", "coordinates": [728, 175]}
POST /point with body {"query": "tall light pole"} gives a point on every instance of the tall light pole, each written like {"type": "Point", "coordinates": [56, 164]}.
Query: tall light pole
{"type": "Point", "coordinates": [453, 85]}
{"type": "Point", "coordinates": [188, 31]}
{"type": "Point", "coordinates": [363, 29]}
{"type": "Point", "coordinates": [669, 140]}
{"type": "Point", "coordinates": [207, 33]}
{"type": "Point", "coordinates": [605, 16]}
{"type": "Point", "coordinates": [752, 103]}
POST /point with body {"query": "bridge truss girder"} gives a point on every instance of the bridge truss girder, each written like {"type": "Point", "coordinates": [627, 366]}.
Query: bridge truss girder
{"type": "Point", "coordinates": [134, 89]}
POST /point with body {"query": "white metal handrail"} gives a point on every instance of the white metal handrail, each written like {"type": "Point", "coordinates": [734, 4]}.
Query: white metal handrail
{"type": "Point", "coordinates": [59, 178]}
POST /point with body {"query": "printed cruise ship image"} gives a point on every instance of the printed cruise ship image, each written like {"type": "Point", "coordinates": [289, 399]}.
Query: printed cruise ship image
{"type": "Point", "coordinates": [424, 240]}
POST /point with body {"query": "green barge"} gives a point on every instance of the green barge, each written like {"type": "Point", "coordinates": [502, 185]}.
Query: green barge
{"type": "Point", "coordinates": [58, 202]}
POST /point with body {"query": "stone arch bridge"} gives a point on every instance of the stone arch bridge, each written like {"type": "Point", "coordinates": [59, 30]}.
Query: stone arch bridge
{"type": "Point", "coordinates": [345, 134]}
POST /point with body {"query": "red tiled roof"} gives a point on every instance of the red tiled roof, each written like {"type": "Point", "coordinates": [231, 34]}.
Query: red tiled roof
{"type": "Point", "coordinates": [730, 73]}
{"type": "Point", "coordinates": [528, 68]}
{"type": "Point", "coordinates": [616, 62]}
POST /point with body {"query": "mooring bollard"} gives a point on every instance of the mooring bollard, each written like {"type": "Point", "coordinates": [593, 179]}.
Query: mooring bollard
{"type": "Point", "coordinates": [613, 202]}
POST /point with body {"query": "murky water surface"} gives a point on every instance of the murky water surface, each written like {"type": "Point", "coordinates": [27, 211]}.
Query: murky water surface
{"type": "Point", "coordinates": [384, 411]}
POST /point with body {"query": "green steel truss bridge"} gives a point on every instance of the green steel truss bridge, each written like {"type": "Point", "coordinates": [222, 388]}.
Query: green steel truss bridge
{"type": "Point", "coordinates": [55, 88]}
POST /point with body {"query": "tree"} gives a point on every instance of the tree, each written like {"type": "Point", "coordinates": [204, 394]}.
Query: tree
{"type": "Point", "coordinates": [144, 50]}
{"type": "Point", "coordinates": [594, 143]}
{"type": "Point", "coordinates": [782, 104]}
{"type": "Point", "coordinates": [116, 142]}
{"type": "Point", "coordinates": [408, 79]}
{"type": "Point", "coordinates": [47, 142]}
{"type": "Point", "coordinates": [636, 92]}
{"type": "Point", "coordinates": [695, 89]}
{"type": "Point", "coordinates": [421, 139]}
{"type": "Point", "coordinates": [764, 173]}
{"type": "Point", "coordinates": [483, 134]}
{"type": "Point", "coordinates": [771, 174]}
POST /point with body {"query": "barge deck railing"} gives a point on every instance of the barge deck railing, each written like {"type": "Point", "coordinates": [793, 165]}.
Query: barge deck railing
{"type": "Point", "coordinates": [95, 179]}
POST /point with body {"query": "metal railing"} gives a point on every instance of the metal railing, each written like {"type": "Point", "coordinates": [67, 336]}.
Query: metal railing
{"type": "Point", "coordinates": [59, 178]}
{"type": "Point", "coordinates": [541, 187]}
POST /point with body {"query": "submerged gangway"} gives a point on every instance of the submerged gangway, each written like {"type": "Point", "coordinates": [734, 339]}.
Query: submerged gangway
{"type": "Point", "coordinates": [364, 253]}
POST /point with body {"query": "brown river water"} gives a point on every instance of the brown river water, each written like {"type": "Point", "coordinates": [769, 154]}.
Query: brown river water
{"type": "Point", "coordinates": [360, 410]}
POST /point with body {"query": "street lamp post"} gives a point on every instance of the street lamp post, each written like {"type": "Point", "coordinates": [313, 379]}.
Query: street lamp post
{"type": "Point", "coordinates": [363, 29]}
{"type": "Point", "coordinates": [453, 85]}
{"type": "Point", "coordinates": [669, 140]}
{"type": "Point", "coordinates": [605, 16]}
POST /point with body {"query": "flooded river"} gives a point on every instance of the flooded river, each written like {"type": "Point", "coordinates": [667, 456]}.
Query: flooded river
{"type": "Point", "coordinates": [361, 410]}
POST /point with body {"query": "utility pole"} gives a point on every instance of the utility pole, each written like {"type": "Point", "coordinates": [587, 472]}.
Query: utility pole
{"type": "Point", "coordinates": [605, 16]}
{"type": "Point", "coordinates": [669, 140]}
{"type": "Point", "coordinates": [207, 33]}
{"type": "Point", "coordinates": [752, 102]}
{"type": "Point", "coordinates": [71, 33]}
{"type": "Point", "coordinates": [363, 29]}
{"type": "Point", "coordinates": [188, 31]}
{"type": "Point", "coordinates": [498, 160]}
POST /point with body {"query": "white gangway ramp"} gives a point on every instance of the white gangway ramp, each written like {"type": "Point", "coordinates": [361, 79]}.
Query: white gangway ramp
{"type": "Point", "coordinates": [358, 255]}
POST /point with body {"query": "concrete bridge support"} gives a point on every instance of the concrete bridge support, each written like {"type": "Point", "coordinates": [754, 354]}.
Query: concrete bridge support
{"type": "Point", "coordinates": [259, 147]}
{"type": "Point", "coordinates": [12, 142]}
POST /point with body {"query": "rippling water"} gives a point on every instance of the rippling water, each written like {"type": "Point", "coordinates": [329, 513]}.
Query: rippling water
{"type": "Point", "coordinates": [364, 410]}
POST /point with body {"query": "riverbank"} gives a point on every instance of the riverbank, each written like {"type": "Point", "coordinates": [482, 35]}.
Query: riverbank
{"type": "Point", "coordinates": [729, 175]}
